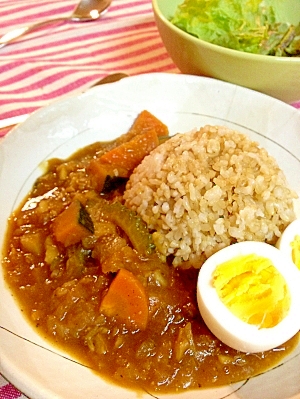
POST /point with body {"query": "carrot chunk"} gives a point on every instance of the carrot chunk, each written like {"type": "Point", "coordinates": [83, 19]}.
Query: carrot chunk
{"type": "Point", "coordinates": [73, 224]}
{"type": "Point", "coordinates": [146, 121]}
{"type": "Point", "coordinates": [127, 301]}
{"type": "Point", "coordinates": [128, 155]}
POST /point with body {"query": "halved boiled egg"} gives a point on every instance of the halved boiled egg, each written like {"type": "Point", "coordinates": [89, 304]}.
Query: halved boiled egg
{"type": "Point", "coordinates": [249, 296]}
{"type": "Point", "coordinates": [289, 242]}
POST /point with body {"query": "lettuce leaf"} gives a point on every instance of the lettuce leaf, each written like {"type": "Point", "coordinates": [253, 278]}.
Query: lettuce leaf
{"type": "Point", "coordinates": [245, 25]}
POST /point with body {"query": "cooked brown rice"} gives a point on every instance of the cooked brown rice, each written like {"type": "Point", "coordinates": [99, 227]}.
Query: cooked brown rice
{"type": "Point", "coordinates": [206, 189]}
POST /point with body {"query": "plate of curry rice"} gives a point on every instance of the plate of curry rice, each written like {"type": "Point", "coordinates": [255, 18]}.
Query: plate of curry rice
{"type": "Point", "coordinates": [106, 219]}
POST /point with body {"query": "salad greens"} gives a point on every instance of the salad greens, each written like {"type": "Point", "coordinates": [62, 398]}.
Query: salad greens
{"type": "Point", "coordinates": [245, 25]}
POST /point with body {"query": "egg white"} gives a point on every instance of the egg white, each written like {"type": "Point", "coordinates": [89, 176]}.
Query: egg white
{"type": "Point", "coordinates": [229, 328]}
{"type": "Point", "coordinates": [287, 237]}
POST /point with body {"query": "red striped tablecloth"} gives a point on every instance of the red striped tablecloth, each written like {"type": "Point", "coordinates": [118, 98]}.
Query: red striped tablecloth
{"type": "Point", "coordinates": [66, 58]}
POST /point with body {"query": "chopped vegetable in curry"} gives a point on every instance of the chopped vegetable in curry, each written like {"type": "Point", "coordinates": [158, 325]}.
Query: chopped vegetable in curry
{"type": "Point", "coordinates": [86, 274]}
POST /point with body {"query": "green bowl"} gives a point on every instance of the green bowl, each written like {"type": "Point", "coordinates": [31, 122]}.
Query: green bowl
{"type": "Point", "coordinates": [278, 77]}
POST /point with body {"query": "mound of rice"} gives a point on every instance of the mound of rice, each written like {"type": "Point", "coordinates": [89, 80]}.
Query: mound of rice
{"type": "Point", "coordinates": [204, 190]}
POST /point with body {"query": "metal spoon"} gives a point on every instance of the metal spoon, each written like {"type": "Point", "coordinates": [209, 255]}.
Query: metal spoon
{"type": "Point", "coordinates": [86, 10]}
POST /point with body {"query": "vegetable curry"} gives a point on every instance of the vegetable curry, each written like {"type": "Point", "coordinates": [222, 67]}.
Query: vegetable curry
{"type": "Point", "coordinates": [85, 272]}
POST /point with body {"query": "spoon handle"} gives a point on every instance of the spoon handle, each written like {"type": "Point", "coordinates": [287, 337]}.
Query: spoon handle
{"type": "Point", "coordinates": [16, 33]}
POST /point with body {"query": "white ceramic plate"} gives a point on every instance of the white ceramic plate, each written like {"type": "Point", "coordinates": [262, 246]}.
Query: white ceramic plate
{"type": "Point", "coordinates": [182, 102]}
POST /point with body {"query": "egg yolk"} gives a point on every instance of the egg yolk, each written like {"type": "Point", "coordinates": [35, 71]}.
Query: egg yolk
{"type": "Point", "coordinates": [295, 244]}
{"type": "Point", "coordinates": [253, 290]}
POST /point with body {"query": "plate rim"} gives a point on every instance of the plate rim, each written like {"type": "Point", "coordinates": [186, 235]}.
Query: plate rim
{"type": "Point", "coordinates": [21, 130]}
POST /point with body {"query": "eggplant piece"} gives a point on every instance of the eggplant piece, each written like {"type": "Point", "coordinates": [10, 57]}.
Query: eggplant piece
{"type": "Point", "coordinates": [111, 183]}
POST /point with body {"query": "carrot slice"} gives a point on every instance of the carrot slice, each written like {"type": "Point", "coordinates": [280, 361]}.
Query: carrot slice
{"type": "Point", "coordinates": [146, 121]}
{"type": "Point", "coordinates": [142, 138]}
{"type": "Point", "coordinates": [127, 301]}
{"type": "Point", "coordinates": [73, 224]}
{"type": "Point", "coordinates": [128, 155]}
